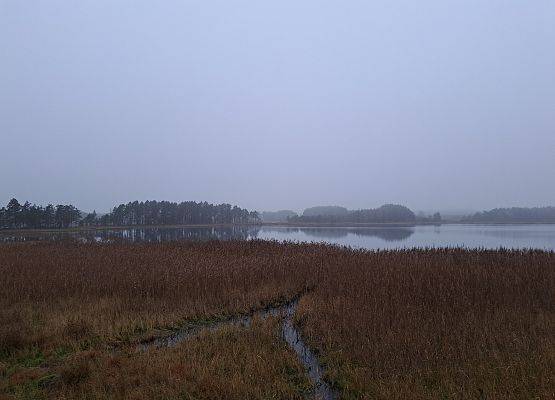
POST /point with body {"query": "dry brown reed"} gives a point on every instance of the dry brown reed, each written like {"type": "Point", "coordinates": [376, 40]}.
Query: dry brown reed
{"type": "Point", "coordinates": [233, 363]}
{"type": "Point", "coordinates": [58, 292]}
{"type": "Point", "coordinates": [424, 324]}
{"type": "Point", "coordinates": [438, 324]}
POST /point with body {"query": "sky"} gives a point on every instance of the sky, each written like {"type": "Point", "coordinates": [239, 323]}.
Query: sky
{"type": "Point", "coordinates": [435, 104]}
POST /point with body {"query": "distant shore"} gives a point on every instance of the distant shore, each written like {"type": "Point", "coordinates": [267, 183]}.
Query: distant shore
{"type": "Point", "coordinates": [173, 226]}
{"type": "Point", "coordinates": [269, 224]}
{"type": "Point", "coordinates": [120, 227]}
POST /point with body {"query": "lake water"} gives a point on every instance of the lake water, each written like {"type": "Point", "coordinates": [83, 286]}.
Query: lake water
{"type": "Point", "coordinates": [472, 236]}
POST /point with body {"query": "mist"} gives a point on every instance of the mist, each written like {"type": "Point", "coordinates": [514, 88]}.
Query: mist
{"type": "Point", "coordinates": [285, 105]}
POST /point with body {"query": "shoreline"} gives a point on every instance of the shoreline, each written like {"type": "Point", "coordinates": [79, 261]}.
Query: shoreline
{"type": "Point", "coordinates": [265, 224]}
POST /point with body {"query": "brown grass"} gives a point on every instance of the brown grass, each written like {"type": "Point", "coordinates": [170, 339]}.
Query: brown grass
{"type": "Point", "coordinates": [427, 324]}
{"type": "Point", "coordinates": [59, 293]}
{"type": "Point", "coordinates": [233, 363]}
{"type": "Point", "coordinates": [436, 324]}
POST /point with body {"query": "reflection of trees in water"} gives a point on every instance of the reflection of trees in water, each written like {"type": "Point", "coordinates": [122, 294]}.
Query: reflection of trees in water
{"type": "Point", "coordinates": [389, 234]}
{"type": "Point", "coordinates": [319, 233]}
{"type": "Point", "coordinates": [141, 234]}
{"type": "Point", "coordinates": [170, 234]}
{"type": "Point", "coordinates": [33, 237]}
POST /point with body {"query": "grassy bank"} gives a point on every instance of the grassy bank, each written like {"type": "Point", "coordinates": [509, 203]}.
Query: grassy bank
{"type": "Point", "coordinates": [399, 324]}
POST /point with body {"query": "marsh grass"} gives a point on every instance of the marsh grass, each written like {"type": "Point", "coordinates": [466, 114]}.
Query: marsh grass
{"type": "Point", "coordinates": [436, 324]}
{"type": "Point", "coordinates": [59, 293]}
{"type": "Point", "coordinates": [424, 324]}
{"type": "Point", "coordinates": [232, 363]}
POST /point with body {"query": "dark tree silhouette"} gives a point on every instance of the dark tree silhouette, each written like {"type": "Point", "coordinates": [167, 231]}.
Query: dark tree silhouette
{"type": "Point", "coordinates": [17, 216]}
{"type": "Point", "coordinates": [514, 215]}
{"type": "Point", "coordinates": [168, 213]}
{"type": "Point", "coordinates": [385, 213]}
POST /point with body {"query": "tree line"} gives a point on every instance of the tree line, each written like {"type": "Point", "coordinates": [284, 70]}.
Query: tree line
{"type": "Point", "coordinates": [27, 215]}
{"type": "Point", "coordinates": [385, 213]}
{"type": "Point", "coordinates": [514, 215]}
{"type": "Point", "coordinates": [20, 216]}
{"type": "Point", "coordinates": [167, 213]}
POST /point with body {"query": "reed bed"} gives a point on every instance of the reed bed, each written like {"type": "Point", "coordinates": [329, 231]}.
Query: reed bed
{"type": "Point", "coordinates": [424, 324]}
{"type": "Point", "coordinates": [234, 363]}
{"type": "Point", "coordinates": [439, 324]}
{"type": "Point", "coordinates": [53, 293]}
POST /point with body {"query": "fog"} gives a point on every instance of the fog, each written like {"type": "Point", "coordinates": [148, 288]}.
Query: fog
{"type": "Point", "coordinates": [433, 104]}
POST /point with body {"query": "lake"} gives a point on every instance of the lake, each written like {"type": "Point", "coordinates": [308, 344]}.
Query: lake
{"type": "Point", "coordinates": [447, 235]}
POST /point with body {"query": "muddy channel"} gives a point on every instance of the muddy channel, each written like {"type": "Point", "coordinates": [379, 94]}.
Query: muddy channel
{"type": "Point", "coordinates": [289, 333]}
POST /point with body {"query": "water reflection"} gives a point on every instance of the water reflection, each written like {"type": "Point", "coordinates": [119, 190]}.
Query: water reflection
{"type": "Point", "coordinates": [472, 236]}
{"type": "Point", "coordinates": [139, 234]}
{"type": "Point", "coordinates": [389, 234]}
{"type": "Point", "coordinates": [206, 233]}
{"type": "Point", "coordinates": [170, 234]}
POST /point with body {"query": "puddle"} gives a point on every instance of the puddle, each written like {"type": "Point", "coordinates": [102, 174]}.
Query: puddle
{"type": "Point", "coordinates": [293, 338]}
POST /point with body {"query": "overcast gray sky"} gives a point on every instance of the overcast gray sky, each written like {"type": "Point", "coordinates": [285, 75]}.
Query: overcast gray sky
{"type": "Point", "coordinates": [435, 104]}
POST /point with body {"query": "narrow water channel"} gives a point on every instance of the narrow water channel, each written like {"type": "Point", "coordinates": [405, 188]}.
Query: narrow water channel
{"type": "Point", "coordinates": [289, 333]}
{"type": "Point", "coordinates": [314, 369]}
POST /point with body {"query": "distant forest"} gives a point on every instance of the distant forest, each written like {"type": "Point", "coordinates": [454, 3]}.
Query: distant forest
{"type": "Point", "coordinates": [335, 214]}
{"type": "Point", "coordinates": [335, 211]}
{"type": "Point", "coordinates": [21, 216]}
{"type": "Point", "coordinates": [514, 215]}
{"type": "Point", "coordinates": [277, 216]}
{"type": "Point", "coordinates": [27, 215]}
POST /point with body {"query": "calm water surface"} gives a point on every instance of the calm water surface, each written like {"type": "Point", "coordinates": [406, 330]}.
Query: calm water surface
{"type": "Point", "coordinates": [472, 236]}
